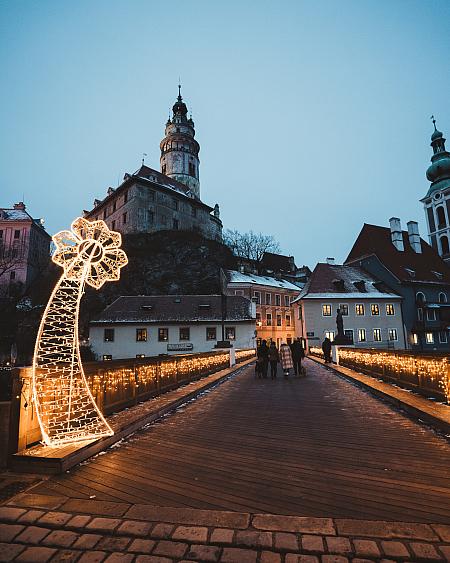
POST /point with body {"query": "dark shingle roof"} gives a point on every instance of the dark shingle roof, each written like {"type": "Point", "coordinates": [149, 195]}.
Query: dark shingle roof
{"type": "Point", "coordinates": [375, 240]}
{"type": "Point", "coordinates": [174, 308]}
{"type": "Point", "coordinates": [277, 262]}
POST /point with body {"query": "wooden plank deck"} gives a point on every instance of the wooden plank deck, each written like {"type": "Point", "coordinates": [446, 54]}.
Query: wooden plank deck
{"type": "Point", "coordinates": [317, 446]}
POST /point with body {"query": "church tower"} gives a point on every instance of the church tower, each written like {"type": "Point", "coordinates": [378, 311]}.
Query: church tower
{"type": "Point", "coordinates": [179, 150]}
{"type": "Point", "coordinates": [437, 200]}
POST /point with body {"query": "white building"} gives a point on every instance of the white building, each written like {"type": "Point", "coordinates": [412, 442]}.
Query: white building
{"type": "Point", "coordinates": [141, 326]}
{"type": "Point", "coordinates": [372, 312]}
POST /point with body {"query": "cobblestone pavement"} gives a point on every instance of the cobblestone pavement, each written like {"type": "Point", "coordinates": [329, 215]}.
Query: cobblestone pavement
{"type": "Point", "coordinates": [150, 534]}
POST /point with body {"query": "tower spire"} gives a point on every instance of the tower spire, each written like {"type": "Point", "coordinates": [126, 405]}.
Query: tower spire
{"type": "Point", "coordinates": [179, 90]}
{"type": "Point", "coordinates": [433, 119]}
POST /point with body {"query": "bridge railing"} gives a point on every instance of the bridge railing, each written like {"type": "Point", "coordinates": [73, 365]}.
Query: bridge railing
{"type": "Point", "coordinates": [427, 374]}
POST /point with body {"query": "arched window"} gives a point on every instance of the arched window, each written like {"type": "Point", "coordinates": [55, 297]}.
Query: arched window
{"type": "Point", "coordinates": [442, 297]}
{"type": "Point", "coordinates": [441, 217]}
{"type": "Point", "coordinates": [420, 297]}
{"type": "Point", "coordinates": [444, 245]}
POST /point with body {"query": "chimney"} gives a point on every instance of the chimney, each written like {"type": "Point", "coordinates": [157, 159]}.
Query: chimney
{"type": "Point", "coordinates": [414, 237]}
{"type": "Point", "coordinates": [20, 206]}
{"type": "Point", "coordinates": [330, 261]}
{"type": "Point", "coordinates": [396, 233]}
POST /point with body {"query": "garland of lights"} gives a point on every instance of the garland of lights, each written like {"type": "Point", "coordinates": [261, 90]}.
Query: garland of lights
{"type": "Point", "coordinates": [65, 407]}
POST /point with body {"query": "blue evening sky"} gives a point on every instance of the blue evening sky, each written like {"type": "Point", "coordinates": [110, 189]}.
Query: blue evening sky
{"type": "Point", "coordinates": [313, 117]}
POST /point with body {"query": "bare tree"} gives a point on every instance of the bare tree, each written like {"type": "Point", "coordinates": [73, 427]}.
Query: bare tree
{"type": "Point", "coordinates": [250, 246]}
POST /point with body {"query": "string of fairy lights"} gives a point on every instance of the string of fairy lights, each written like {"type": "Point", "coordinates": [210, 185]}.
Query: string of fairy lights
{"type": "Point", "coordinates": [424, 371]}
{"type": "Point", "coordinates": [65, 407]}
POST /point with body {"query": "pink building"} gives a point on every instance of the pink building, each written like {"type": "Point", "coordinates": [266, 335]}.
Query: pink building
{"type": "Point", "coordinates": [24, 249]}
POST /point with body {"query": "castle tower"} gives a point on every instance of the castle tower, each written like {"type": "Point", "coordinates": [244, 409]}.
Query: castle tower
{"type": "Point", "coordinates": [179, 150]}
{"type": "Point", "coordinates": [437, 200]}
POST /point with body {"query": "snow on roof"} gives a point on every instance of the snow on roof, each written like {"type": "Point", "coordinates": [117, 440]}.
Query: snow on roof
{"type": "Point", "coordinates": [238, 277]}
{"type": "Point", "coordinates": [352, 295]}
{"type": "Point", "coordinates": [15, 215]}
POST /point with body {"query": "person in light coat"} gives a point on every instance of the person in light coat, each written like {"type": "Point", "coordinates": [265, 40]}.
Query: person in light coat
{"type": "Point", "coordinates": [286, 358]}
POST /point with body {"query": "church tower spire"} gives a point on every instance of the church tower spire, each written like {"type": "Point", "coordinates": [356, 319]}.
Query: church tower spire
{"type": "Point", "coordinates": [437, 200]}
{"type": "Point", "coordinates": [179, 149]}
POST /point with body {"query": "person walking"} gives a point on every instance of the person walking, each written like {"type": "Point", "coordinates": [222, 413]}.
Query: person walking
{"type": "Point", "coordinates": [297, 355]}
{"type": "Point", "coordinates": [326, 349]}
{"type": "Point", "coordinates": [286, 358]}
{"type": "Point", "coordinates": [262, 359]}
{"type": "Point", "coordinates": [274, 358]}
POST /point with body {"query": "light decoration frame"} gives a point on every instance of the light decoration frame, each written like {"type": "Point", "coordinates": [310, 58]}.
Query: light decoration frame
{"type": "Point", "coordinates": [89, 254]}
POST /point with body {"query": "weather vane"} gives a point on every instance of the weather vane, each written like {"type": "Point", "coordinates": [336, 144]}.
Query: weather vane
{"type": "Point", "coordinates": [89, 254]}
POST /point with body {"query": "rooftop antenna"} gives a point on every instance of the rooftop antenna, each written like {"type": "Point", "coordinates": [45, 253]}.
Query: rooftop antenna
{"type": "Point", "coordinates": [433, 119]}
{"type": "Point", "coordinates": [144, 154]}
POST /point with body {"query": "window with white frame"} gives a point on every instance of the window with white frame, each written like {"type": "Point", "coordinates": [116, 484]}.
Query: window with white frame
{"type": "Point", "coordinates": [268, 319]}
{"type": "Point", "coordinates": [211, 333]}
{"type": "Point", "coordinates": [286, 301]}
{"type": "Point", "coordinates": [185, 333]}
{"type": "Point", "coordinates": [230, 333]}
{"type": "Point", "coordinates": [443, 339]}
{"type": "Point", "coordinates": [374, 309]}
{"type": "Point", "coordinates": [390, 309]}
{"type": "Point", "coordinates": [268, 298]}
{"type": "Point", "coordinates": [429, 338]}
{"type": "Point", "coordinates": [377, 334]}
{"type": "Point", "coordinates": [343, 307]}
{"type": "Point", "coordinates": [393, 334]}
{"type": "Point", "coordinates": [329, 334]}
{"type": "Point", "coordinates": [348, 332]}
{"type": "Point", "coordinates": [361, 334]}
{"type": "Point", "coordinates": [326, 310]}
{"type": "Point", "coordinates": [277, 299]}
{"type": "Point", "coordinates": [431, 315]}
{"type": "Point", "coordinates": [359, 309]}
{"type": "Point", "coordinates": [419, 314]}
{"type": "Point", "coordinates": [239, 292]}
{"type": "Point", "coordinates": [288, 320]}
{"type": "Point", "coordinates": [442, 297]}
{"type": "Point", "coordinates": [257, 296]}
{"type": "Point", "coordinates": [108, 335]}
{"type": "Point", "coordinates": [415, 338]}
{"type": "Point", "coordinates": [279, 322]}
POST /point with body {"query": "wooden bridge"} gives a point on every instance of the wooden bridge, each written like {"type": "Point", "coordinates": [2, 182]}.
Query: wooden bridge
{"type": "Point", "coordinates": [315, 446]}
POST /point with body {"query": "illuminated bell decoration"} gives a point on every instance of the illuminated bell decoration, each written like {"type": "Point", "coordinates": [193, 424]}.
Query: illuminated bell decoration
{"type": "Point", "coordinates": [89, 254]}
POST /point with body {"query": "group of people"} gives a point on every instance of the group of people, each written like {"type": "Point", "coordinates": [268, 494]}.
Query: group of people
{"type": "Point", "coordinates": [290, 357]}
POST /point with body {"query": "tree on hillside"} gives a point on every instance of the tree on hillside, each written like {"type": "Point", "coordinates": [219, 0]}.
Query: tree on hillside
{"type": "Point", "coordinates": [250, 246]}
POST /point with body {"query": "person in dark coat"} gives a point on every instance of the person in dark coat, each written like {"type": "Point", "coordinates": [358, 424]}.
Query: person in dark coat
{"type": "Point", "coordinates": [262, 355]}
{"type": "Point", "coordinates": [326, 349]}
{"type": "Point", "coordinates": [274, 358]}
{"type": "Point", "coordinates": [297, 355]}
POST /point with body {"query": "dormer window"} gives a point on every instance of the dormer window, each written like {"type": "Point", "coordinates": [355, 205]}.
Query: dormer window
{"type": "Point", "coordinates": [439, 275]}
{"type": "Point", "coordinates": [360, 286]}
{"type": "Point", "coordinates": [411, 273]}
{"type": "Point", "coordinates": [338, 285]}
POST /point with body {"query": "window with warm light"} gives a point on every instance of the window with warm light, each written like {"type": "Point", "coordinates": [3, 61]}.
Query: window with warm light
{"type": "Point", "coordinates": [211, 333]}
{"type": "Point", "coordinates": [268, 319]}
{"type": "Point", "coordinates": [140, 356]}
{"type": "Point", "coordinates": [185, 333]}
{"type": "Point", "coordinates": [429, 338]}
{"type": "Point", "coordinates": [361, 334]}
{"type": "Point", "coordinates": [329, 334]}
{"type": "Point", "coordinates": [230, 333]}
{"type": "Point", "coordinates": [108, 335]}
{"type": "Point", "coordinates": [374, 309]}
{"type": "Point", "coordinates": [415, 338]}
{"type": "Point", "coordinates": [359, 309]}
{"type": "Point", "coordinates": [258, 319]}
{"type": "Point", "coordinates": [326, 310]}
{"type": "Point", "coordinates": [377, 334]}
{"type": "Point", "coordinates": [107, 357]}
{"type": "Point", "coordinates": [141, 335]}
{"type": "Point", "coordinates": [390, 309]}
{"type": "Point", "coordinates": [163, 334]}
{"type": "Point", "coordinates": [288, 320]}
{"type": "Point", "coordinates": [393, 334]}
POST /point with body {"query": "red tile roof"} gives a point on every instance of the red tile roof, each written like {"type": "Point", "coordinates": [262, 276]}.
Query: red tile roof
{"type": "Point", "coordinates": [375, 240]}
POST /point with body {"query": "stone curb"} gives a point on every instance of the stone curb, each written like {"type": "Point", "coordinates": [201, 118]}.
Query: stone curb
{"type": "Point", "coordinates": [32, 534]}
{"type": "Point", "coordinates": [415, 406]}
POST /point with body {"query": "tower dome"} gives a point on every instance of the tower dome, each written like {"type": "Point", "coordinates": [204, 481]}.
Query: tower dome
{"type": "Point", "coordinates": [440, 161]}
{"type": "Point", "coordinates": [179, 149]}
